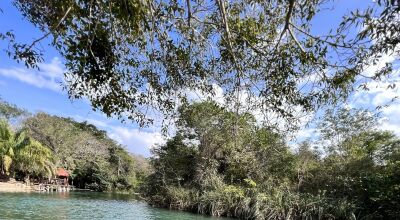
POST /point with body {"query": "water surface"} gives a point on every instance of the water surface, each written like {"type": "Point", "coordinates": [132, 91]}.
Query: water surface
{"type": "Point", "coordinates": [84, 205]}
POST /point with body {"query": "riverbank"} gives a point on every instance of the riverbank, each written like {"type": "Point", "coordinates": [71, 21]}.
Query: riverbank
{"type": "Point", "coordinates": [14, 187]}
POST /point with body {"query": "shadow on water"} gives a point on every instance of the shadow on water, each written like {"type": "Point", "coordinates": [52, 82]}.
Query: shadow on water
{"type": "Point", "coordinates": [85, 205]}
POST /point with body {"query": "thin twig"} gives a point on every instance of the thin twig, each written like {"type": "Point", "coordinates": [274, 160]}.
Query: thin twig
{"type": "Point", "coordinates": [49, 32]}
{"type": "Point", "coordinates": [319, 39]}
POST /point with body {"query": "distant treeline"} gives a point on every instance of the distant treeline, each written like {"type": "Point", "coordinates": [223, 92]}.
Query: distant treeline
{"type": "Point", "coordinates": [42, 143]}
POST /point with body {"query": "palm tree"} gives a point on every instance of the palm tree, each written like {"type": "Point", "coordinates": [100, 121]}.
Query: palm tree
{"type": "Point", "coordinates": [23, 153]}
{"type": "Point", "coordinates": [9, 142]}
{"type": "Point", "coordinates": [34, 158]}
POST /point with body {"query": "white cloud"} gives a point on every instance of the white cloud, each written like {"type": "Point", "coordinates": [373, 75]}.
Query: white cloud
{"type": "Point", "coordinates": [49, 75]}
{"type": "Point", "coordinates": [305, 133]}
{"type": "Point", "coordinates": [379, 93]}
{"type": "Point", "coordinates": [54, 69]}
{"type": "Point", "coordinates": [386, 58]}
{"type": "Point", "coordinates": [195, 95]}
{"type": "Point", "coordinates": [96, 123]}
{"type": "Point", "coordinates": [135, 138]}
{"type": "Point", "coordinates": [391, 118]}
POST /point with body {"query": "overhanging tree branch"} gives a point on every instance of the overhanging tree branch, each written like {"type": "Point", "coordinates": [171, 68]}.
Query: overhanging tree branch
{"type": "Point", "coordinates": [49, 32]}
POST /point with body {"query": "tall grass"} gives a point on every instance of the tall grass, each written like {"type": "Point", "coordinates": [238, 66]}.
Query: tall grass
{"type": "Point", "coordinates": [232, 201]}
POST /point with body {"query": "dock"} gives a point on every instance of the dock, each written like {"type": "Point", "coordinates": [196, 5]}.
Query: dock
{"type": "Point", "coordinates": [54, 188]}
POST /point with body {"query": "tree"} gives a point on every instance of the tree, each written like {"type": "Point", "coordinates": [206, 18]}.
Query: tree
{"type": "Point", "coordinates": [68, 139]}
{"type": "Point", "coordinates": [357, 164]}
{"type": "Point", "coordinates": [339, 125]}
{"type": "Point", "coordinates": [9, 143]}
{"type": "Point", "coordinates": [218, 158]}
{"type": "Point", "coordinates": [9, 111]}
{"type": "Point", "coordinates": [174, 163]}
{"type": "Point", "coordinates": [131, 57]}
{"type": "Point", "coordinates": [142, 167]}
{"type": "Point", "coordinates": [380, 33]}
{"type": "Point", "coordinates": [18, 152]}
{"type": "Point", "coordinates": [34, 159]}
{"type": "Point", "coordinates": [307, 160]}
{"type": "Point", "coordinates": [93, 159]}
{"type": "Point", "coordinates": [220, 136]}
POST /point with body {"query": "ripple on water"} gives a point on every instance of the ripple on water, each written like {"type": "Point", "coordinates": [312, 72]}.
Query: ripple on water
{"type": "Point", "coordinates": [83, 205]}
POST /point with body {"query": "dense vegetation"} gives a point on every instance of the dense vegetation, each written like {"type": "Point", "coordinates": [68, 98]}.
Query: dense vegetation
{"type": "Point", "coordinates": [224, 164]}
{"type": "Point", "coordinates": [351, 171]}
{"type": "Point", "coordinates": [44, 143]}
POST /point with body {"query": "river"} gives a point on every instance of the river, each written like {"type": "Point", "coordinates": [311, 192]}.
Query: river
{"type": "Point", "coordinates": [84, 205]}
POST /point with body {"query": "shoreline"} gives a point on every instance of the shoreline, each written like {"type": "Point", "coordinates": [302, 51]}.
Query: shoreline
{"type": "Point", "coordinates": [22, 187]}
{"type": "Point", "coordinates": [14, 187]}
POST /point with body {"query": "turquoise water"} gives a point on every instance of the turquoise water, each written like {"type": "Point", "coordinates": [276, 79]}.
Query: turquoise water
{"type": "Point", "coordinates": [84, 205]}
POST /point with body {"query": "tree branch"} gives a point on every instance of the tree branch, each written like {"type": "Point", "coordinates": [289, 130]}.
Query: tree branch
{"type": "Point", "coordinates": [49, 32]}
{"type": "Point", "coordinates": [287, 22]}
{"type": "Point", "coordinates": [295, 40]}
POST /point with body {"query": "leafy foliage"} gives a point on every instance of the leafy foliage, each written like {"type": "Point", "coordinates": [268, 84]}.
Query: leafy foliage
{"type": "Point", "coordinates": [205, 169]}
{"type": "Point", "coordinates": [130, 57]}
{"type": "Point", "coordinates": [9, 143]}
{"type": "Point", "coordinates": [94, 160]}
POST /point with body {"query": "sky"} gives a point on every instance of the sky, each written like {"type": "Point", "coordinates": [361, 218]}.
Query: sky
{"type": "Point", "coordinates": [41, 91]}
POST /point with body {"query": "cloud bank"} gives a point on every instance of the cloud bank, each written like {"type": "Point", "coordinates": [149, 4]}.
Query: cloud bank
{"type": "Point", "coordinates": [49, 75]}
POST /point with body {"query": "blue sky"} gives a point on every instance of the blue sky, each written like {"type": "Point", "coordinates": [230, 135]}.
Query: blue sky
{"type": "Point", "coordinates": [41, 90]}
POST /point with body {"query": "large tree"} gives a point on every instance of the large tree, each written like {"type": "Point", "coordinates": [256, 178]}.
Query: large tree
{"type": "Point", "coordinates": [130, 57]}
{"type": "Point", "coordinates": [207, 154]}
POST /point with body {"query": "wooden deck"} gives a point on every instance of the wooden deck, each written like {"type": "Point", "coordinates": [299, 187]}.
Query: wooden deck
{"type": "Point", "coordinates": [53, 188]}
